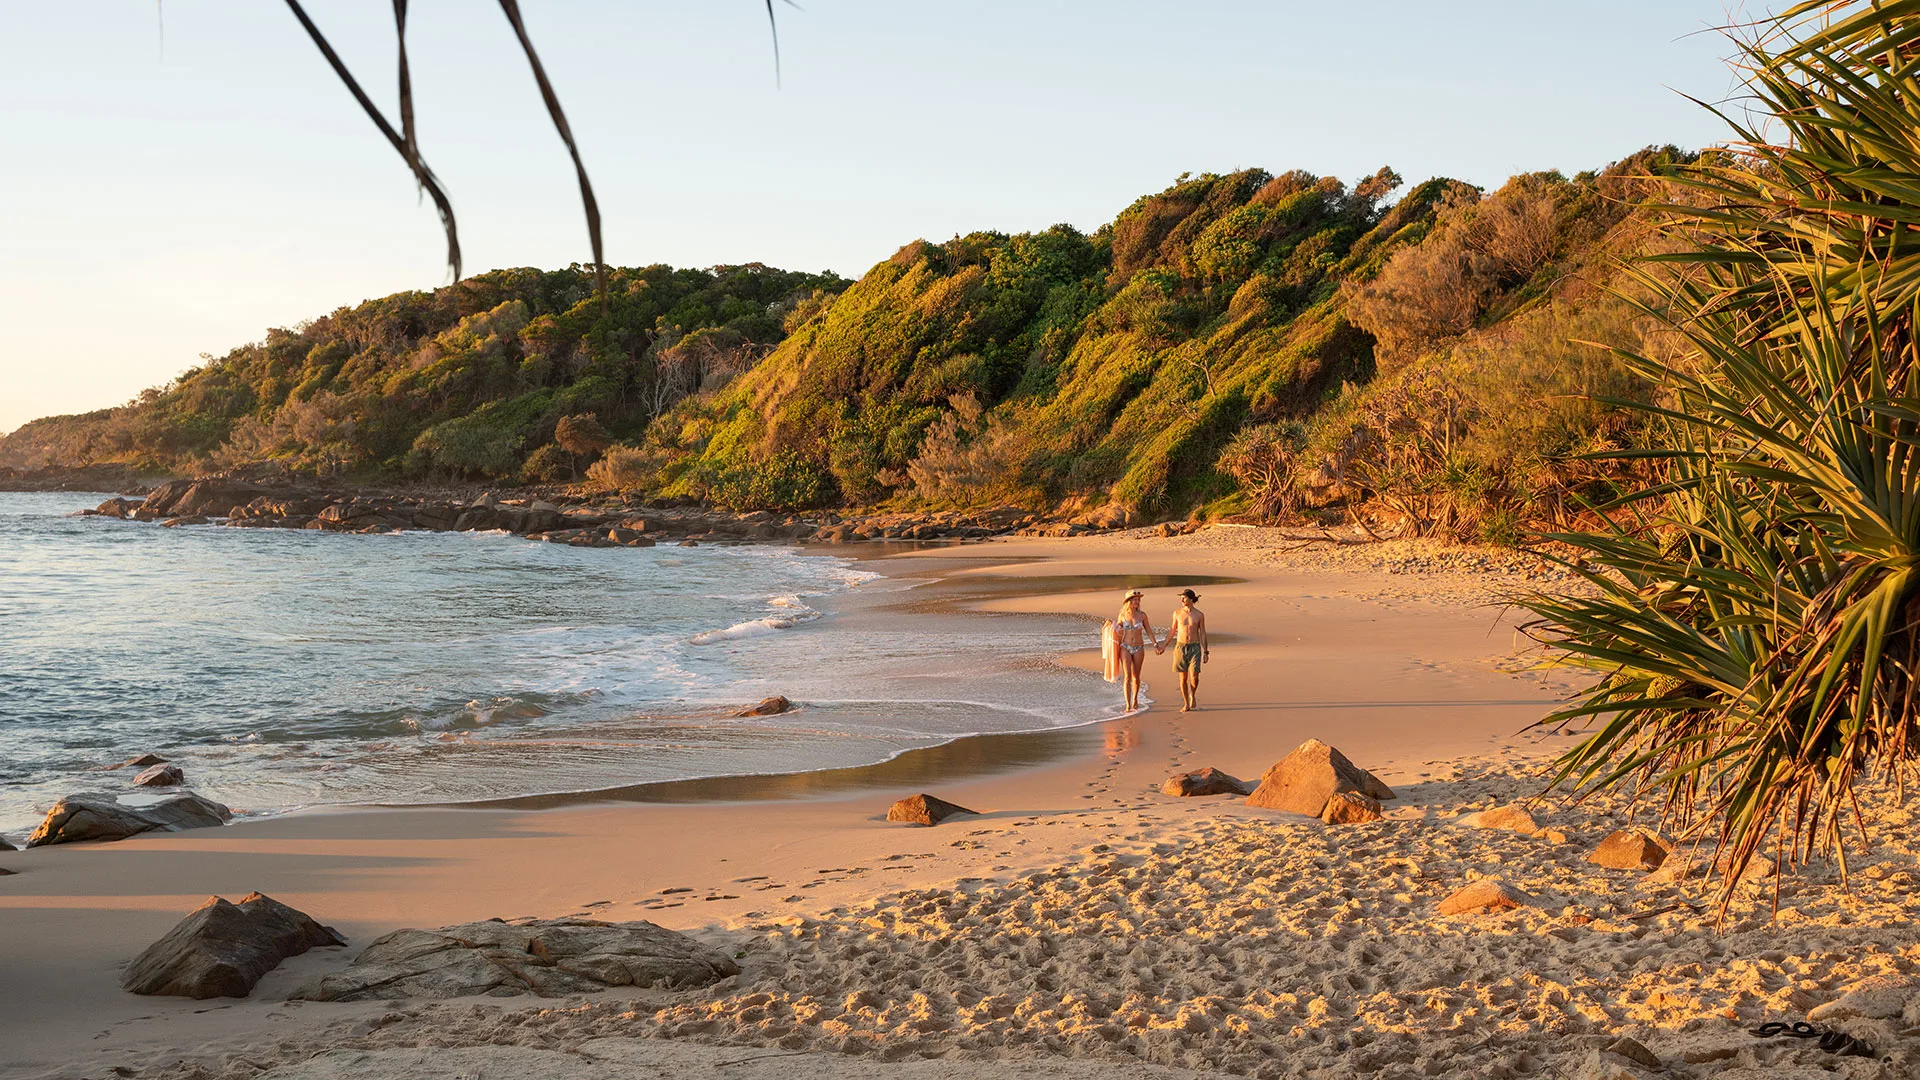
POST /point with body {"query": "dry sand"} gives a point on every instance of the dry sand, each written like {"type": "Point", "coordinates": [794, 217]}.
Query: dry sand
{"type": "Point", "coordinates": [1084, 926]}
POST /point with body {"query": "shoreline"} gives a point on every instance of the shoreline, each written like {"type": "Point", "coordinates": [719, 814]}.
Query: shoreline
{"type": "Point", "coordinates": [1396, 681]}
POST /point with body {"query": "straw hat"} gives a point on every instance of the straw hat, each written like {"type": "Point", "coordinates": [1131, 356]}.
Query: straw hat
{"type": "Point", "coordinates": [1131, 593]}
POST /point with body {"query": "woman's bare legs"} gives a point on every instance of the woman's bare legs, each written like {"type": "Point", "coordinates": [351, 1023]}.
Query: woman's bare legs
{"type": "Point", "coordinates": [1130, 662]}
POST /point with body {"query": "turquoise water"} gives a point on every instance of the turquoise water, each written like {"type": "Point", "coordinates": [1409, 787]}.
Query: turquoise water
{"type": "Point", "coordinates": [284, 669]}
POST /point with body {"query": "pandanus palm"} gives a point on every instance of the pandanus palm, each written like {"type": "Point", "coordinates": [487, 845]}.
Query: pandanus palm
{"type": "Point", "coordinates": [1757, 615]}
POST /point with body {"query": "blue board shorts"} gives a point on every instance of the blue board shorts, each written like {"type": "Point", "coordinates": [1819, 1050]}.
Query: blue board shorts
{"type": "Point", "coordinates": [1187, 659]}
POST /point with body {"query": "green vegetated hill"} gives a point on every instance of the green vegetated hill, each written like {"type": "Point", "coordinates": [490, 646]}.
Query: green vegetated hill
{"type": "Point", "coordinates": [1281, 345]}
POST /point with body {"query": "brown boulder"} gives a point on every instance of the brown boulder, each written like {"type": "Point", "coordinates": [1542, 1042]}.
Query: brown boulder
{"type": "Point", "coordinates": [925, 810]}
{"type": "Point", "coordinates": [222, 949]}
{"type": "Point", "coordinates": [141, 762]}
{"type": "Point", "coordinates": [1629, 849]}
{"type": "Point", "coordinates": [1350, 808]}
{"type": "Point", "coordinates": [1208, 781]}
{"type": "Point", "coordinates": [1487, 894]}
{"type": "Point", "coordinates": [161, 776]}
{"type": "Point", "coordinates": [1304, 780]}
{"type": "Point", "coordinates": [772, 706]}
{"type": "Point", "coordinates": [1512, 817]}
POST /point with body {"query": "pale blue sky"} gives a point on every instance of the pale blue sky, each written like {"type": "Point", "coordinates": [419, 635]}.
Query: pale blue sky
{"type": "Point", "coordinates": [167, 195]}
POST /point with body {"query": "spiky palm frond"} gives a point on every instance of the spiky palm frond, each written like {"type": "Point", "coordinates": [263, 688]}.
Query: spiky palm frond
{"type": "Point", "coordinates": [1758, 609]}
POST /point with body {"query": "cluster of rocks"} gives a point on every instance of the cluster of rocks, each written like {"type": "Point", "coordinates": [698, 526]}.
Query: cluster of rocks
{"type": "Point", "coordinates": [244, 504]}
{"type": "Point", "coordinates": [1316, 780]}
{"type": "Point", "coordinates": [94, 816]}
{"type": "Point", "coordinates": [223, 949]}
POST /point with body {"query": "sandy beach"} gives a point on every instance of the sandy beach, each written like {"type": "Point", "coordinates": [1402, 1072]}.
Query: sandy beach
{"type": "Point", "coordinates": [1083, 925]}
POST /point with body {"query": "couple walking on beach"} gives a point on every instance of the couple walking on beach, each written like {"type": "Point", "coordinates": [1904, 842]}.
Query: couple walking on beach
{"type": "Point", "coordinates": [1123, 645]}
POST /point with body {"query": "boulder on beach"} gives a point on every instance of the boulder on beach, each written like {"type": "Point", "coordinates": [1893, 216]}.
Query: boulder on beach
{"type": "Point", "coordinates": [1350, 808]}
{"type": "Point", "coordinates": [547, 957]}
{"type": "Point", "coordinates": [1304, 780]}
{"type": "Point", "coordinates": [924, 809]}
{"type": "Point", "coordinates": [772, 706]}
{"type": "Point", "coordinates": [162, 775]}
{"type": "Point", "coordinates": [1208, 781]}
{"type": "Point", "coordinates": [1629, 849]}
{"type": "Point", "coordinates": [4, 846]}
{"type": "Point", "coordinates": [222, 949]}
{"type": "Point", "coordinates": [1487, 894]}
{"type": "Point", "coordinates": [101, 817]}
{"type": "Point", "coordinates": [1512, 817]}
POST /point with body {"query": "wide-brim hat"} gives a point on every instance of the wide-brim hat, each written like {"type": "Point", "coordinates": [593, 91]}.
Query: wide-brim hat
{"type": "Point", "coordinates": [1131, 593]}
{"type": "Point", "coordinates": [1191, 595]}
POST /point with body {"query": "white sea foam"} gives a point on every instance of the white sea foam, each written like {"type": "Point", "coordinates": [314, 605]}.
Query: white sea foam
{"type": "Point", "coordinates": [748, 629]}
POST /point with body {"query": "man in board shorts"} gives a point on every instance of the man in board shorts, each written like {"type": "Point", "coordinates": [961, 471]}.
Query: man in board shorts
{"type": "Point", "coordinates": [1190, 648]}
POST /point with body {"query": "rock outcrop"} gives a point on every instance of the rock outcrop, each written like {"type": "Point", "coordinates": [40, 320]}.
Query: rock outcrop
{"type": "Point", "coordinates": [162, 775]}
{"type": "Point", "coordinates": [925, 809]}
{"type": "Point", "coordinates": [1512, 817]}
{"type": "Point", "coordinates": [100, 817]}
{"type": "Point", "coordinates": [1629, 849]}
{"type": "Point", "coordinates": [1304, 780]}
{"type": "Point", "coordinates": [772, 706]}
{"type": "Point", "coordinates": [1487, 894]}
{"type": "Point", "coordinates": [1208, 781]}
{"type": "Point", "coordinates": [530, 956]}
{"type": "Point", "coordinates": [222, 949]}
{"type": "Point", "coordinates": [144, 761]}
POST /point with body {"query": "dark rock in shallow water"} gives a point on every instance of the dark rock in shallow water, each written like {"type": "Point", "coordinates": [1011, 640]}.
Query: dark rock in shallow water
{"type": "Point", "coordinates": [99, 817]}
{"type": "Point", "coordinates": [4, 846]}
{"type": "Point", "coordinates": [161, 776]}
{"type": "Point", "coordinates": [528, 956]}
{"type": "Point", "coordinates": [222, 949]}
{"type": "Point", "coordinates": [772, 706]}
{"type": "Point", "coordinates": [925, 809]}
{"type": "Point", "coordinates": [141, 762]}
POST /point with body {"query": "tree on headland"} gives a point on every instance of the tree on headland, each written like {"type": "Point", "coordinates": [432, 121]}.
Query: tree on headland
{"type": "Point", "coordinates": [582, 436]}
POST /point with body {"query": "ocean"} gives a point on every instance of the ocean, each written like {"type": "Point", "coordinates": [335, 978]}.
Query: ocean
{"type": "Point", "coordinates": [286, 669]}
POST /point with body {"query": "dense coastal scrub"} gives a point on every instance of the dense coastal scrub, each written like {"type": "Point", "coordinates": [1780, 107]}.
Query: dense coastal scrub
{"type": "Point", "coordinates": [1286, 347]}
{"type": "Point", "coordinates": [477, 379]}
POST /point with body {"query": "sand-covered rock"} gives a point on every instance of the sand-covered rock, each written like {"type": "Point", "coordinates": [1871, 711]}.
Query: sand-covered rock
{"type": "Point", "coordinates": [1350, 808]}
{"type": "Point", "coordinates": [100, 817]}
{"type": "Point", "coordinates": [1629, 849]}
{"type": "Point", "coordinates": [1512, 817]}
{"type": "Point", "coordinates": [161, 776]}
{"type": "Point", "coordinates": [222, 949]}
{"type": "Point", "coordinates": [1487, 894]}
{"type": "Point", "coordinates": [1303, 781]}
{"type": "Point", "coordinates": [547, 957]}
{"type": "Point", "coordinates": [1201, 782]}
{"type": "Point", "coordinates": [1882, 997]}
{"type": "Point", "coordinates": [925, 809]}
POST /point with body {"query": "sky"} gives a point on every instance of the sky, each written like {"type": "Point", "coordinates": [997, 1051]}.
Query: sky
{"type": "Point", "coordinates": [178, 176]}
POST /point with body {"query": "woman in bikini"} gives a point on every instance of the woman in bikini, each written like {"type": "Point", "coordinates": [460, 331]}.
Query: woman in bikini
{"type": "Point", "coordinates": [1132, 632]}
